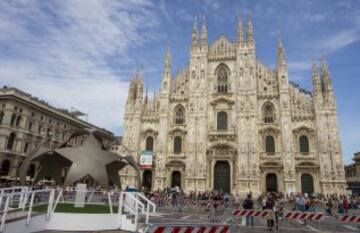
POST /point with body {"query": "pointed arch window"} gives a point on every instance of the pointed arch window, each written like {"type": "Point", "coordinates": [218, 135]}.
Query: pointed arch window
{"type": "Point", "coordinates": [304, 144]}
{"type": "Point", "coordinates": [149, 144]}
{"type": "Point", "coordinates": [269, 113]}
{"type": "Point", "coordinates": [177, 145]}
{"type": "Point", "coordinates": [222, 121]}
{"type": "Point", "coordinates": [270, 144]}
{"type": "Point", "coordinates": [222, 80]}
{"type": "Point", "coordinates": [179, 118]}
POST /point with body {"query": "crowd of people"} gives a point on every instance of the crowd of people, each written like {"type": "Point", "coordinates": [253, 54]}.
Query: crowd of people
{"type": "Point", "coordinates": [274, 203]}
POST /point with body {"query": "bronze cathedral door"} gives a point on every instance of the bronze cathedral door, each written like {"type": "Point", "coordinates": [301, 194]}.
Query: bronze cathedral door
{"type": "Point", "coordinates": [222, 176]}
{"type": "Point", "coordinates": [307, 184]}
{"type": "Point", "coordinates": [175, 179]}
{"type": "Point", "coordinates": [271, 183]}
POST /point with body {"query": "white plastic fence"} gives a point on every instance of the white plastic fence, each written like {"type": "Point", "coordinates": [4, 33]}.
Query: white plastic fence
{"type": "Point", "coordinates": [20, 202]}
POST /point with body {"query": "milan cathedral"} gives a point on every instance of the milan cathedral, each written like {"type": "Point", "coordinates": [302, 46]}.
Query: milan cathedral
{"type": "Point", "coordinates": [229, 122]}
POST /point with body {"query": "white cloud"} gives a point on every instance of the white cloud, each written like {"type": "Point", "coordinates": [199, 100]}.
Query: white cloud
{"type": "Point", "coordinates": [63, 55]}
{"type": "Point", "coordinates": [299, 65]}
{"type": "Point", "coordinates": [340, 40]}
{"type": "Point", "coordinates": [315, 17]}
{"type": "Point", "coordinates": [211, 4]}
{"type": "Point", "coordinates": [185, 15]}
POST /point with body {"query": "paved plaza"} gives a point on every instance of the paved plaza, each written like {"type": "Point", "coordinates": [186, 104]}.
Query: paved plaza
{"type": "Point", "coordinates": [195, 216]}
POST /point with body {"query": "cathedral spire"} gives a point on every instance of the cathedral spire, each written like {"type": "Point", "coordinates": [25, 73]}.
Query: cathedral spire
{"type": "Point", "coordinates": [140, 85]}
{"type": "Point", "coordinates": [203, 33]}
{"type": "Point", "coordinates": [325, 76]}
{"type": "Point", "coordinates": [167, 71]}
{"type": "Point", "coordinates": [281, 55]}
{"type": "Point", "coordinates": [249, 31]}
{"type": "Point", "coordinates": [316, 80]}
{"type": "Point", "coordinates": [167, 59]}
{"type": "Point", "coordinates": [240, 33]}
{"type": "Point", "coordinates": [147, 94]}
{"type": "Point", "coordinates": [195, 36]}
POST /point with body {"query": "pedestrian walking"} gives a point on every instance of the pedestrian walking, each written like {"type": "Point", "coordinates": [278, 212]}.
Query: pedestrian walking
{"type": "Point", "coordinates": [212, 213]}
{"type": "Point", "coordinates": [226, 200]}
{"type": "Point", "coordinates": [271, 215]}
{"type": "Point", "coordinates": [173, 194]}
{"type": "Point", "coordinates": [248, 204]}
{"type": "Point", "coordinates": [301, 204]}
{"type": "Point", "coordinates": [328, 207]}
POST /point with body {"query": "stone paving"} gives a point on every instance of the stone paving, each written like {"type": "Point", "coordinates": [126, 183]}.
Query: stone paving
{"type": "Point", "coordinates": [189, 215]}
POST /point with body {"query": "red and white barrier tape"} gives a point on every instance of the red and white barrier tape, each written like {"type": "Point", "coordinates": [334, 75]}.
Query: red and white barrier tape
{"type": "Point", "coordinates": [349, 218]}
{"type": "Point", "coordinates": [304, 216]}
{"type": "Point", "coordinates": [191, 229]}
{"type": "Point", "coordinates": [250, 213]}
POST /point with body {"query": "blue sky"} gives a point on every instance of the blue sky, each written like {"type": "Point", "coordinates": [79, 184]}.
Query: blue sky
{"type": "Point", "coordinates": [80, 53]}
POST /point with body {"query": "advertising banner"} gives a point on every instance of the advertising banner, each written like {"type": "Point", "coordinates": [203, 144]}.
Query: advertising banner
{"type": "Point", "coordinates": [146, 157]}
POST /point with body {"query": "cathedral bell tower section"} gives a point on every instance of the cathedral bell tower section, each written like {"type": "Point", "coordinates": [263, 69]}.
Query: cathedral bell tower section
{"type": "Point", "coordinates": [195, 175]}
{"type": "Point", "coordinates": [332, 177]}
{"type": "Point", "coordinates": [162, 140]}
{"type": "Point", "coordinates": [247, 176]}
{"type": "Point", "coordinates": [133, 112]}
{"type": "Point", "coordinates": [285, 121]}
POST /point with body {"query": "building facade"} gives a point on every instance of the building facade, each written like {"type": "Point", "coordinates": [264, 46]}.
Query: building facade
{"type": "Point", "coordinates": [25, 121]}
{"type": "Point", "coordinates": [352, 174]}
{"type": "Point", "coordinates": [229, 122]}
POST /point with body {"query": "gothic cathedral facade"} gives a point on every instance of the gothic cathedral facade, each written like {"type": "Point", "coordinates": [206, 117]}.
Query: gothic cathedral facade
{"type": "Point", "coordinates": [229, 122]}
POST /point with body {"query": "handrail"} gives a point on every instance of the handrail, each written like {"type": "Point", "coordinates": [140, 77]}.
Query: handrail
{"type": "Point", "coordinates": [122, 203]}
{"type": "Point", "coordinates": [3, 219]}
{"type": "Point", "coordinates": [151, 203]}
{"type": "Point", "coordinates": [30, 208]}
{"type": "Point", "coordinates": [135, 206]}
{"type": "Point", "coordinates": [50, 204]}
{"type": "Point", "coordinates": [136, 201]}
{"type": "Point", "coordinates": [91, 196]}
{"type": "Point", "coordinates": [57, 201]}
{"type": "Point", "coordinates": [13, 188]}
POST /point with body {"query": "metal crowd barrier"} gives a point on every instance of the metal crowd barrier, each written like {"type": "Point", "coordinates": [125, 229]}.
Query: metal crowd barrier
{"type": "Point", "coordinates": [287, 219]}
{"type": "Point", "coordinates": [160, 201]}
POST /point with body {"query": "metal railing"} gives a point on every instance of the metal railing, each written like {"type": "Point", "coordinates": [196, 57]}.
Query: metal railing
{"type": "Point", "coordinates": [22, 202]}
